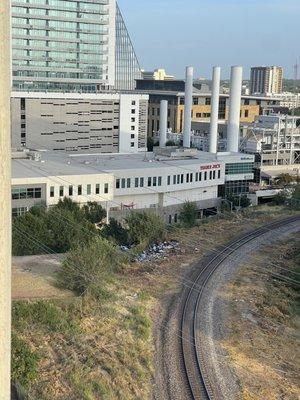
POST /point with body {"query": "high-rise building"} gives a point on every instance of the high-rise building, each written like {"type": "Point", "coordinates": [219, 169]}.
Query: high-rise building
{"type": "Point", "coordinates": [266, 80]}
{"type": "Point", "coordinates": [71, 46]}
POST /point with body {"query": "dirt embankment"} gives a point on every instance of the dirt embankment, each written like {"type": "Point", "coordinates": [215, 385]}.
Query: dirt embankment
{"type": "Point", "coordinates": [264, 343]}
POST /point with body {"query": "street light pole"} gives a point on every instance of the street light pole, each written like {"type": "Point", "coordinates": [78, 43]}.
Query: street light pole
{"type": "Point", "coordinates": [5, 202]}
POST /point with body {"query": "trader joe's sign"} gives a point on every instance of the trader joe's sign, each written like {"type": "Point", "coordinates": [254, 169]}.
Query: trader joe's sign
{"type": "Point", "coordinates": [211, 166]}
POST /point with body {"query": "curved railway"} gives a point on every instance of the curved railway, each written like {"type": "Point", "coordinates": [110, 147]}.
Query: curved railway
{"type": "Point", "coordinates": [198, 384]}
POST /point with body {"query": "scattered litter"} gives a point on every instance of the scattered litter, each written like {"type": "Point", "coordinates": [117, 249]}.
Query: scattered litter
{"type": "Point", "coordinates": [157, 251]}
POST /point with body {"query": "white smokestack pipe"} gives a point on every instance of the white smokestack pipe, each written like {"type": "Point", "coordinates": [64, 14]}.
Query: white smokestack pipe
{"type": "Point", "coordinates": [163, 123]}
{"type": "Point", "coordinates": [214, 116]}
{"type": "Point", "coordinates": [188, 102]}
{"type": "Point", "coordinates": [233, 127]}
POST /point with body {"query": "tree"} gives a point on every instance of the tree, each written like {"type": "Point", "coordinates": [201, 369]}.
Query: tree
{"type": "Point", "coordinates": [116, 231]}
{"type": "Point", "coordinates": [145, 227]}
{"type": "Point", "coordinates": [284, 179]}
{"type": "Point", "coordinates": [68, 228]}
{"type": "Point", "coordinates": [88, 267]}
{"type": "Point", "coordinates": [189, 214]}
{"type": "Point", "coordinates": [30, 235]}
{"type": "Point", "coordinates": [245, 201]}
{"type": "Point", "coordinates": [280, 198]}
{"type": "Point", "coordinates": [93, 212]}
{"type": "Point", "coordinates": [150, 143]}
{"type": "Point", "coordinates": [170, 143]}
{"type": "Point", "coordinates": [295, 200]}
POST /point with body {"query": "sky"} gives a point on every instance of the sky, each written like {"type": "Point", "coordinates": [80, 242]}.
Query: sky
{"type": "Point", "coordinates": [172, 34]}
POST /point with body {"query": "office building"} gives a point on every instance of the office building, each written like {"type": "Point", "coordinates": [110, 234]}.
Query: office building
{"type": "Point", "coordinates": [159, 182]}
{"type": "Point", "coordinates": [73, 122]}
{"type": "Point", "coordinates": [71, 46]}
{"type": "Point", "coordinates": [266, 80]}
{"type": "Point", "coordinates": [157, 75]}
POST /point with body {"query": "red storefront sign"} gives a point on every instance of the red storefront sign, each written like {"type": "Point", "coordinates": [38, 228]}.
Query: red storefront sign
{"type": "Point", "coordinates": [211, 166]}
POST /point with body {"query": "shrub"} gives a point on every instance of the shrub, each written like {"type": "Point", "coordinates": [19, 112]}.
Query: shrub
{"type": "Point", "coordinates": [145, 228]}
{"type": "Point", "coordinates": [88, 267]}
{"type": "Point", "coordinates": [93, 212]}
{"type": "Point", "coordinates": [116, 231]}
{"type": "Point", "coordinates": [24, 363]}
{"type": "Point", "coordinates": [188, 214]}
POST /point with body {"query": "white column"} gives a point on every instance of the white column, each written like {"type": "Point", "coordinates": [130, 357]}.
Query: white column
{"type": "Point", "coordinates": [163, 123]}
{"type": "Point", "coordinates": [5, 202]}
{"type": "Point", "coordinates": [188, 102]}
{"type": "Point", "coordinates": [233, 127]}
{"type": "Point", "coordinates": [214, 116]}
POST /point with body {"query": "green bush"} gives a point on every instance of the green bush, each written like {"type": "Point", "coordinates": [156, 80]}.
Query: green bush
{"type": "Point", "coordinates": [24, 363]}
{"type": "Point", "coordinates": [145, 228]}
{"type": "Point", "coordinates": [116, 231]}
{"type": "Point", "coordinates": [93, 212]}
{"type": "Point", "coordinates": [88, 267]}
{"type": "Point", "coordinates": [188, 214]}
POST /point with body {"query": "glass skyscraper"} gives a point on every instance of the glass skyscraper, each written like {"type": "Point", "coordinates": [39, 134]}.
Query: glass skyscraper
{"type": "Point", "coordinates": [71, 46]}
{"type": "Point", "coordinates": [127, 65]}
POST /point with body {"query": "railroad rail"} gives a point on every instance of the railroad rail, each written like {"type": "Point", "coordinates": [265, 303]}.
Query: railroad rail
{"type": "Point", "coordinates": [199, 385]}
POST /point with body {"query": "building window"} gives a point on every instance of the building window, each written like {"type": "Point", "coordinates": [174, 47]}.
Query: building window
{"type": "Point", "coordinates": [26, 193]}
{"type": "Point", "coordinates": [51, 191]}
{"type": "Point", "coordinates": [154, 181]}
{"type": "Point", "coordinates": [214, 174]}
{"type": "Point", "coordinates": [200, 176]}
{"type": "Point", "coordinates": [149, 181]}
{"type": "Point", "coordinates": [246, 113]}
{"type": "Point", "coordinates": [174, 179]}
{"type": "Point", "coordinates": [159, 181]}
{"type": "Point", "coordinates": [136, 182]}
{"type": "Point", "coordinates": [132, 127]}
{"type": "Point", "coordinates": [176, 218]}
{"type": "Point", "coordinates": [88, 189]}
{"type": "Point", "coordinates": [133, 103]}
{"type": "Point", "coordinates": [118, 184]}
{"type": "Point", "coordinates": [191, 177]}
{"type": "Point", "coordinates": [169, 179]}
{"type": "Point", "coordinates": [98, 188]}
{"type": "Point", "coordinates": [70, 190]}
{"type": "Point", "coordinates": [132, 136]}
{"type": "Point", "coordinates": [61, 191]}
{"type": "Point", "coordinates": [178, 179]}
{"type": "Point", "coordinates": [79, 190]}
{"type": "Point", "coordinates": [132, 144]}
{"type": "Point", "coordinates": [106, 188]}
{"type": "Point", "coordinates": [205, 175]}
{"type": "Point", "coordinates": [132, 111]}
{"type": "Point", "coordinates": [16, 212]}
{"type": "Point", "coordinates": [141, 182]}
{"type": "Point", "coordinates": [207, 101]}
{"type": "Point", "coordinates": [123, 183]}
{"type": "Point", "coordinates": [197, 177]}
{"type": "Point", "coordinates": [187, 178]}
{"type": "Point", "coordinates": [132, 119]}
{"type": "Point", "coordinates": [170, 219]}
{"type": "Point", "coordinates": [219, 173]}
{"type": "Point", "coordinates": [210, 174]}
{"type": "Point", "coordinates": [128, 182]}
{"type": "Point", "coordinates": [182, 178]}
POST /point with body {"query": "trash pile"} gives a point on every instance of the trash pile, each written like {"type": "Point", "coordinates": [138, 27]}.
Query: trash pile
{"type": "Point", "coordinates": [157, 251]}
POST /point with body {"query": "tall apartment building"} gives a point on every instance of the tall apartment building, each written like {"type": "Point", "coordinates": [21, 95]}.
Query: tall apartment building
{"type": "Point", "coordinates": [266, 80]}
{"type": "Point", "coordinates": [71, 46]}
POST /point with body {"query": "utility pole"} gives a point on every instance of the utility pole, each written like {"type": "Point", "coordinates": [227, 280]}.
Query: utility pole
{"type": "Point", "coordinates": [5, 201]}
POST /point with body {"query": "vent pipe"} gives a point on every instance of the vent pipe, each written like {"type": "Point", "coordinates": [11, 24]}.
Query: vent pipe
{"type": "Point", "coordinates": [214, 116]}
{"type": "Point", "coordinates": [163, 123]}
{"type": "Point", "coordinates": [188, 102]}
{"type": "Point", "coordinates": [233, 127]}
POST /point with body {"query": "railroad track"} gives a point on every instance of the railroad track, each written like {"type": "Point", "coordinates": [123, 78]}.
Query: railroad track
{"type": "Point", "coordinates": [199, 385]}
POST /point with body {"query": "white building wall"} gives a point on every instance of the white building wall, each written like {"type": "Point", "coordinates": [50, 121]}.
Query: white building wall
{"type": "Point", "coordinates": [130, 122]}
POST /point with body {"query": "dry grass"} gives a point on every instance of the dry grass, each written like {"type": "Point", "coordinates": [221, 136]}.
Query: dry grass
{"type": "Point", "coordinates": [105, 351]}
{"type": "Point", "coordinates": [264, 343]}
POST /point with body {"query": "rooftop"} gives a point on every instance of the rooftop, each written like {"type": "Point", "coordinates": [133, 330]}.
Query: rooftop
{"type": "Point", "coordinates": [48, 163]}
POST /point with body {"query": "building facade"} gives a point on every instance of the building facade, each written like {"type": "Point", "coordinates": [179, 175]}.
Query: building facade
{"type": "Point", "coordinates": [266, 80]}
{"type": "Point", "coordinates": [125, 183]}
{"type": "Point", "coordinates": [251, 106]}
{"type": "Point", "coordinates": [72, 123]}
{"type": "Point", "coordinates": [71, 46]}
